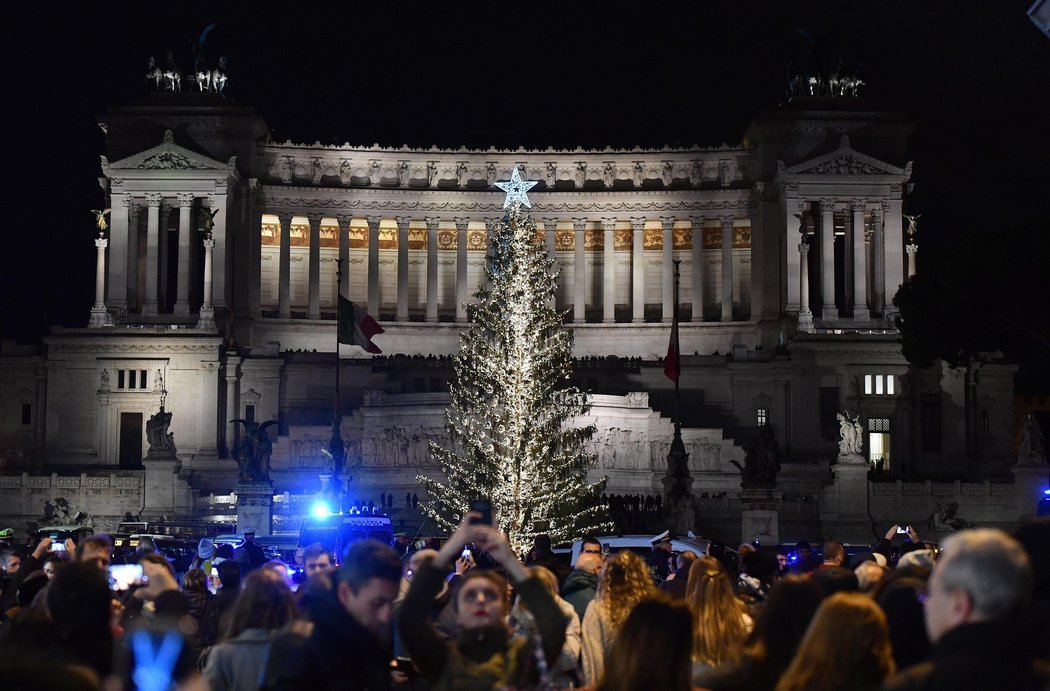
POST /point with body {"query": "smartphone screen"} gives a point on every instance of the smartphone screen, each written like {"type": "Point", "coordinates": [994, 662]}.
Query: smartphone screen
{"type": "Point", "coordinates": [123, 576]}
{"type": "Point", "coordinates": [902, 529]}
{"type": "Point", "coordinates": [484, 507]}
{"type": "Point", "coordinates": [465, 554]}
{"type": "Point", "coordinates": [58, 546]}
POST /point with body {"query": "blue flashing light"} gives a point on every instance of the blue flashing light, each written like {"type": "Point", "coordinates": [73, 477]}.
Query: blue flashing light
{"type": "Point", "coordinates": [1046, 492]}
{"type": "Point", "coordinates": [320, 510]}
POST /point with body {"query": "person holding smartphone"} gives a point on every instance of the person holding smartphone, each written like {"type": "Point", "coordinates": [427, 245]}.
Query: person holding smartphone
{"type": "Point", "coordinates": [483, 651]}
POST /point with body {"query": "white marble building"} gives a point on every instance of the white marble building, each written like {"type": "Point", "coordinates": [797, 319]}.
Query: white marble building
{"type": "Point", "coordinates": [791, 245]}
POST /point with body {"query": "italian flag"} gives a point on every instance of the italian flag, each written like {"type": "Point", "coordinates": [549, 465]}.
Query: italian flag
{"type": "Point", "coordinates": [357, 327]}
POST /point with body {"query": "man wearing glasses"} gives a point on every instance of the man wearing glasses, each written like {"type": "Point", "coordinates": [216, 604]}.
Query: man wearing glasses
{"type": "Point", "coordinates": [582, 583]}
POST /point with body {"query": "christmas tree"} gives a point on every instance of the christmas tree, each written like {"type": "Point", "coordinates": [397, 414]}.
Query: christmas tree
{"type": "Point", "coordinates": [510, 420]}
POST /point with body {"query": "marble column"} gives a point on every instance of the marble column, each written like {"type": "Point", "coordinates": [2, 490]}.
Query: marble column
{"type": "Point", "coordinates": [344, 257]}
{"type": "Point", "coordinates": [878, 262]}
{"type": "Point", "coordinates": [163, 244]}
{"type": "Point", "coordinates": [609, 271]}
{"type": "Point", "coordinates": [912, 249]}
{"type": "Point", "coordinates": [217, 204]}
{"type": "Point", "coordinates": [805, 314]}
{"type": "Point", "coordinates": [667, 298]}
{"type": "Point", "coordinates": [893, 246]}
{"type": "Point", "coordinates": [118, 252]}
{"type": "Point", "coordinates": [861, 311]}
{"type": "Point", "coordinates": [461, 269]}
{"type": "Point", "coordinates": [284, 270]}
{"type": "Point", "coordinates": [182, 288]}
{"type": "Point", "coordinates": [727, 267]}
{"type": "Point", "coordinates": [134, 285]}
{"type": "Point", "coordinates": [255, 250]}
{"type": "Point", "coordinates": [828, 310]}
{"type": "Point", "coordinates": [638, 270]}
{"type": "Point", "coordinates": [550, 240]}
{"type": "Point", "coordinates": [207, 315]}
{"type": "Point", "coordinates": [795, 212]}
{"type": "Point", "coordinates": [99, 315]}
{"type": "Point", "coordinates": [432, 268]}
{"type": "Point", "coordinates": [373, 265]}
{"type": "Point", "coordinates": [579, 273]}
{"type": "Point", "coordinates": [313, 309]}
{"type": "Point", "coordinates": [231, 375]}
{"type": "Point", "coordinates": [698, 268]}
{"type": "Point", "coordinates": [149, 306]}
{"type": "Point", "coordinates": [402, 267]}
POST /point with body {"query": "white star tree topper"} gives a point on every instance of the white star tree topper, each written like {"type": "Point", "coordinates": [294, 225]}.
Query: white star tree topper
{"type": "Point", "coordinates": [516, 189]}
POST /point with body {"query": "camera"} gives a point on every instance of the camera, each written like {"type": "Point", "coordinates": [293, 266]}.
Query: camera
{"type": "Point", "coordinates": [484, 507]}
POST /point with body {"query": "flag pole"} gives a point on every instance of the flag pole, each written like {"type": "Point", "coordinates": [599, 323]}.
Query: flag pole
{"type": "Point", "coordinates": [335, 445]}
{"type": "Point", "coordinates": [677, 351]}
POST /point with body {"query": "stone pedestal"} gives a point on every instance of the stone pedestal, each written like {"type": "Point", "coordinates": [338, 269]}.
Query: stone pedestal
{"type": "Point", "coordinates": [844, 504]}
{"type": "Point", "coordinates": [1030, 479]}
{"type": "Point", "coordinates": [161, 479]}
{"type": "Point", "coordinates": [760, 515]}
{"type": "Point", "coordinates": [334, 489]}
{"type": "Point", "coordinates": [254, 507]}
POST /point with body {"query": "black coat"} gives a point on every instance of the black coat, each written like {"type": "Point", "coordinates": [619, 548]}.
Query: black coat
{"type": "Point", "coordinates": [982, 655]}
{"type": "Point", "coordinates": [339, 654]}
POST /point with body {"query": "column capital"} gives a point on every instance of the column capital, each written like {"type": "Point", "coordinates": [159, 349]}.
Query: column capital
{"type": "Point", "coordinates": [858, 204]}
{"type": "Point", "coordinates": [638, 224]}
{"type": "Point", "coordinates": [314, 219]}
{"type": "Point", "coordinates": [101, 243]}
{"type": "Point", "coordinates": [125, 200]}
{"type": "Point", "coordinates": [579, 224]}
{"type": "Point", "coordinates": [185, 199]}
{"type": "Point", "coordinates": [432, 222]}
{"type": "Point", "coordinates": [402, 222]}
{"type": "Point", "coordinates": [491, 224]}
{"type": "Point", "coordinates": [668, 222]}
{"type": "Point", "coordinates": [827, 204]}
{"type": "Point", "coordinates": [285, 218]}
{"type": "Point", "coordinates": [876, 213]}
{"type": "Point", "coordinates": [373, 222]}
{"type": "Point", "coordinates": [727, 221]}
{"type": "Point", "coordinates": [154, 198]}
{"type": "Point", "coordinates": [911, 249]}
{"type": "Point", "coordinates": [608, 224]}
{"type": "Point", "coordinates": [343, 219]}
{"type": "Point", "coordinates": [209, 243]}
{"type": "Point", "coordinates": [461, 223]}
{"type": "Point", "coordinates": [697, 221]}
{"type": "Point", "coordinates": [550, 223]}
{"type": "Point", "coordinates": [803, 248]}
{"type": "Point", "coordinates": [803, 205]}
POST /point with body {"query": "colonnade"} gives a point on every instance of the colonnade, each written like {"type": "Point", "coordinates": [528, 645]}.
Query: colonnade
{"type": "Point", "coordinates": [549, 225]}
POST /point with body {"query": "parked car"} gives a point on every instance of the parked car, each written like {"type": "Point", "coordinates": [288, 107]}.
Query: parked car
{"type": "Point", "coordinates": [642, 545]}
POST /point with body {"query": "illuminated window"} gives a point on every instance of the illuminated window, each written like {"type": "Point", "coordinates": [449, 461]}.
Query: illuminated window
{"type": "Point", "coordinates": [879, 441]}
{"type": "Point", "coordinates": [878, 385]}
{"type": "Point", "coordinates": [761, 416]}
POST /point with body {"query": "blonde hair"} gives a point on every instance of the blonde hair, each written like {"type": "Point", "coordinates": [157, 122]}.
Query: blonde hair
{"type": "Point", "coordinates": [720, 620]}
{"type": "Point", "coordinates": [624, 582]}
{"type": "Point", "coordinates": [546, 577]}
{"type": "Point", "coordinates": [847, 646]}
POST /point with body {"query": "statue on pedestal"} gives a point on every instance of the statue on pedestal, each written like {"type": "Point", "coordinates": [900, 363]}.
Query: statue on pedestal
{"type": "Point", "coordinates": [761, 463]}
{"type": "Point", "coordinates": [161, 441]}
{"type": "Point", "coordinates": [851, 433]}
{"type": "Point", "coordinates": [1032, 448]}
{"type": "Point", "coordinates": [252, 452]}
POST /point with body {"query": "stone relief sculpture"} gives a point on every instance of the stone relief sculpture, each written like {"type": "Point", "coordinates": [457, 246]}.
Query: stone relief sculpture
{"type": "Point", "coordinates": [402, 173]}
{"type": "Point", "coordinates": [490, 174]}
{"type": "Point", "coordinates": [374, 173]}
{"type": "Point", "coordinates": [761, 461]}
{"type": "Point", "coordinates": [252, 452]}
{"type": "Point", "coordinates": [851, 434]}
{"type": "Point", "coordinates": [552, 174]}
{"type": "Point", "coordinates": [1032, 448]}
{"type": "Point", "coordinates": [161, 441]}
{"type": "Point", "coordinates": [60, 511]}
{"type": "Point", "coordinates": [462, 174]}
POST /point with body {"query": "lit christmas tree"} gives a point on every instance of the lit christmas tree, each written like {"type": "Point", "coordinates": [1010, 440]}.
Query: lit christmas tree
{"type": "Point", "coordinates": [510, 422]}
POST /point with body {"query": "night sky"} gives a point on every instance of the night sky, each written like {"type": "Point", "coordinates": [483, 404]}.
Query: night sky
{"type": "Point", "coordinates": [975, 76]}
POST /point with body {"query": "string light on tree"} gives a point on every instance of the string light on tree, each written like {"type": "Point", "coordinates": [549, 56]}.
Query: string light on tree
{"type": "Point", "coordinates": [511, 434]}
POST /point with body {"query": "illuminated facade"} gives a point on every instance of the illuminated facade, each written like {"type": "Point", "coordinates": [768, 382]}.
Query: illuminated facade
{"type": "Point", "coordinates": [791, 247]}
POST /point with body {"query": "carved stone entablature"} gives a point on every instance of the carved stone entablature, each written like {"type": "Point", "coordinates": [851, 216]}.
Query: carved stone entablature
{"type": "Point", "coordinates": [477, 169]}
{"type": "Point", "coordinates": [846, 161]}
{"type": "Point", "coordinates": [130, 348]}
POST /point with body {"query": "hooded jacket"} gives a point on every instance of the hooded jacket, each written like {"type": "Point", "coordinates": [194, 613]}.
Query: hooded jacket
{"type": "Point", "coordinates": [579, 589]}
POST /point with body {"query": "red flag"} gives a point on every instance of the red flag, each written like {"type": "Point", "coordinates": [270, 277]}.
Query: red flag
{"type": "Point", "coordinates": [673, 363]}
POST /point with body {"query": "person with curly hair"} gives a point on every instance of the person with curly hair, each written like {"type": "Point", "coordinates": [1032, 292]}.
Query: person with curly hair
{"type": "Point", "coordinates": [720, 619]}
{"type": "Point", "coordinates": [623, 582]}
{"type": "Point", "coordinates": [846, 648]}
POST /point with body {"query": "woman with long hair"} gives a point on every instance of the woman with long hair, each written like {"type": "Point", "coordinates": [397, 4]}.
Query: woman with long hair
{"type": "Point", "coordinates": [720, 620]}
{"type": "Point", "coordinates": [623, 582]}
{"type": "Point", "coordinates": [847, 648]}
{"type": "Point", "coordinates": [652, 649]}
{"type": "Point", "coordinates": [768, 651]}
{"type": "Point", "coordinates": [264, 606]}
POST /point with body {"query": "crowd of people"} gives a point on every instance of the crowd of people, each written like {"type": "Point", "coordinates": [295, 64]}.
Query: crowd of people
{"type": "Point", "coordinates": [973, 612]}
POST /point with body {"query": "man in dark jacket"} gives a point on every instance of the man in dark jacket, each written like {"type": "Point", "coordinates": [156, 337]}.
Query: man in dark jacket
{"type": "Point", "coordinates": [978, 588]}
{"type": "Point", "coordinates": [347, 647]}
{"type": "Point", "coordinates": [582, 584]}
